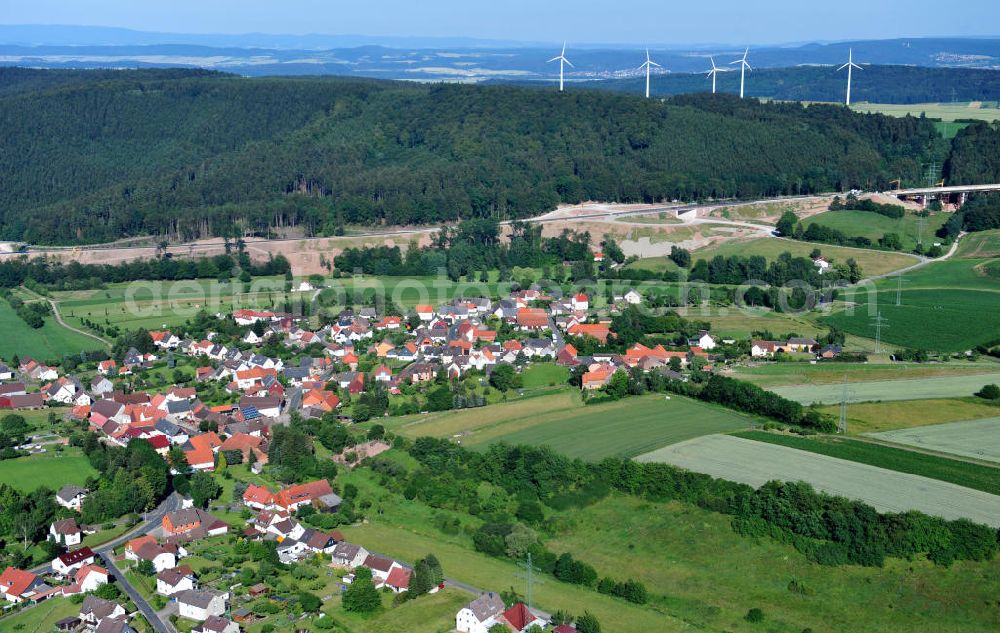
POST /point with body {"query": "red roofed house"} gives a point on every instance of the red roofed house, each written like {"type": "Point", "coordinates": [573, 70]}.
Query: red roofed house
{"type": "Point", "coordinates": [580, 301]}
{"type": "Point", "coordinates": [68, 563]}
{"type": "Point", "coordinates": [597, 378]}
{"type": "Point", "coordinates": [201, 455]}
{"type": "Point", "coordinates": [258, 497]}
{"type": "Point", "coordinates": [293, 497]}
{"type": "Point", "coordinates": [87, 578]}
{"type": "Point", "coordinates": [599, 331]}
{"type": "Point", "coordinates": [192, 520]}
{"type": "Point", "coordinates": [532, 319]}
{"type": "Point", "coordinates": [18, 585]}
{"type": "Point", "coordinates": [398, 580]}
{"type": "Point", "coordinates": [519, 618]}
{"type": "Point", "coordinates": [425, 312]}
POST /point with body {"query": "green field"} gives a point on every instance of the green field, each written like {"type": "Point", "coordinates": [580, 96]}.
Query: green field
{"type": "Point", "coordinates": [781, 374]}
{"type": "Point", "coordinates": [874, 226]}
{"type": "Point", "coordinates": [40, 619]}
{"type": "Point", "coordinates": [915, 389]}
{"type": "Point", "coordinates": [674, 549]}
{"type": "Point", "coordinates": [873, 417]}
{"type": "Point", "coordinates": [987, 111]}
{"type": "Point", "coordinates": [871, 262]}
{"type": "Point", "coordinates": [625, 428]}
{"type": "Point", "coordinates": [544, 375]}
{"type": "Point", "coordinates": [50, 342]}
{"type": "Point", "coordinates": [983, 478]}
{"type": "Point", "coordinates": [980, 244]}
{"type": "Point", "coordinates": [945, 320]}
{"type": "Point", "coordinates": [51, 469]}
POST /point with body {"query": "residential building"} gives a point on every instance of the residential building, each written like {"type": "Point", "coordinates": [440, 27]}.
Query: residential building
{"type": "Point", "coordinates": [200, 604]}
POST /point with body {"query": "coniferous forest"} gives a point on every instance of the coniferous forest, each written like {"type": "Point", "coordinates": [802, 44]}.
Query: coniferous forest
{"type": "Point", "coordinates": [188, 154]}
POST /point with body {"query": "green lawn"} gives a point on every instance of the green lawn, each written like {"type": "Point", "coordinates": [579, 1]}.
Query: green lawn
{"type": "Point", "coordinates": [50, 469]}
{"type": "Point", "coordinates": [48, 343]}
{"type": "Point", "coordinates": [871, 262]}
{"type": "Point", "coordinates": [983, 478]}
{"type": "Point", "coordinates": [874, 226]}
{"type": "Point", "coordinates": [942, 320]}
{"type": "Point", "coordinates": [41, 618]}
{"type": "Point", "coordinates": [544, 375]}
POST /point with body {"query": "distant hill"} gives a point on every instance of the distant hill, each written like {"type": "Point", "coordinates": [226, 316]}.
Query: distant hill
{"type": "Point", "coordinates": [92, 157]}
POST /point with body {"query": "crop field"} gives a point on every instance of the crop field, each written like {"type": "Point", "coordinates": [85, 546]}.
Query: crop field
{"type": "Point", "coordinates": [756, 463]}
{"type": "Point", "coordinates": [48, 342]}
{"type": "Point", "coordinates": [801, 374]}
{"type": "Point", "coordinates": [874, 226]}
{"type": "Point", "coordinates": [944, 111]}
{"type": "Point", "coordinates": [979, 439]}
{"type": "Point", "coordinates": [949, 274]}
{"type": "Point", "coordinates": [937, 320]}
{"type": "Point", "coordinates": [871, 262]}
{"type": "Point", "coordinates": [980, 244]}
{"type": "Point", "coordinates": [624, 428]}
{"type": "Point", "coordinates": [875, 417]}
{"type": "Point", "coordinates": [50, 469]}
{"type": "Point", "coordinates": [978, 477]}
{"type": "Point", "coordinates": [915, 389]}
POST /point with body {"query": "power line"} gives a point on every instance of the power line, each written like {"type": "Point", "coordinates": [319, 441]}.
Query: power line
{"type": "Point", "coordinates": [880, 322]}
{"type": "Point", "coordinates": [529, 577]}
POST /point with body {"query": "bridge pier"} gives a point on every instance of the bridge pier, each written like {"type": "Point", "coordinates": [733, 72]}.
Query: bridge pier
{"type": "Point", "coordinates": [962, 197]}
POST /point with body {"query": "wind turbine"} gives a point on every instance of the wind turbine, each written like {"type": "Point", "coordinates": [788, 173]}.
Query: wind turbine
{"type": "Point", "coordinates": [562, 60]}
{"type": "Point", "coordinates": [714, 73]}
{"type": "Point", "coordinates": [744, 67]}
{"type": "Point", "coordinates": [849, 65]}
{"type": "Point", "coordinates": [648, 65]}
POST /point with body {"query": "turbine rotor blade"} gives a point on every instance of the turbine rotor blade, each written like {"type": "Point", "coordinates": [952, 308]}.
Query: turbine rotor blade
{"type": "Point", "coordinates": [568, 62]}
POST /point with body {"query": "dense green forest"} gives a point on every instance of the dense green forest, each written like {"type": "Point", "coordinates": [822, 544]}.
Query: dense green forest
{"type": "Point", "coordinates": [187, 155]}
{"type": "Point", "coordinates": [875, 84]}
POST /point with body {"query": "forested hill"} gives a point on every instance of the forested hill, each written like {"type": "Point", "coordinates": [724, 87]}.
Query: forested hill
{"type": "Point", "coordinates": [874, 84]}
{"type": "Point", "coordinates": [191, 156]}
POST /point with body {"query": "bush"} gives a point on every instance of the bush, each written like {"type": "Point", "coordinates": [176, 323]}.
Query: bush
{"type": "Point", "coordinates": [754, 615]}
{"type": "Point", "coordinates": [989, 392]}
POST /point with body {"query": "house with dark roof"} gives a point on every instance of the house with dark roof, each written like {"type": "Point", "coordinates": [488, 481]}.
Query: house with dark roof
{"type": "Point", "coordinates": [70, 496]}
{"type": "Point", "coordinates": [66, 564]}
{"type": "Point", "coordinates": [480, 614]}
{"type": "Point", "coordinates": [65, 532]}
{"type": "Point", "coordinates": [200, 604]}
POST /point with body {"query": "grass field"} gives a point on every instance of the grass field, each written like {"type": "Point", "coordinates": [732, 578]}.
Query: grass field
{"type": "Point", "coordinates": [48, 342]}
{"type": "Point", "coordinates": [979, 439]}
{"type": "Point", "coordinates": [937, 320]}
{"type": "Point", "coordinates": [874, 226]}
{"type": "Point", "coordinates": [756, 463]}
{"type": "Point", "coordinates": [980, 244]}
{"type": "Point", "coordinates": [871, 262]}
{"type": "Point", "coordinates": [943, 111]}
{"type": "Point", "coordinates": [915, 389]}
{"type": "Point", "coordinates": [674, 549]}
{"type": "Point", "coordinates": [40, 619]}
{"type": "Point", "coordinates": [949, 275]}
{"type": "Point", "coordinates": [985, 478]}
{"type": "Point", "coordinates": [544, 375]}
{"type": "Point", "coordinates": [800, 374]}
{"type": "Point", "coordinates": [624, 429]}
{"type": "Point", "coordinates": [874, 417]}
{"type": "Point", "coordinates": [52, 470]}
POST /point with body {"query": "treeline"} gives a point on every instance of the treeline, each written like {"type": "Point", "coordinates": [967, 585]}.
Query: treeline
{"type": "Point", "coordinates": [981, 213]}
{"type": "Point", "coordinates": [738, 269]}
{"type": "Point", "coordinates": [321, 153]}
{"type": "Point", "coordinates": [852, 203]}
{"type": "Point", "coordinates": [55, 275]}
{"type": "Point", "coordinates": [880, 83]}
{"type": "Point", "coordinates": [975, 155]}
{"type": "Point", "coordinates": [829, 530]}
{"type": "Point", "coordinates": [474, 246]}
{"type": "Point", "coordinates": [33, 313]}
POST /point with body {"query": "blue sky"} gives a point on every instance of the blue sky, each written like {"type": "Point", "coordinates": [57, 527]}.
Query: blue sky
{"type": "Point", "coordinates": [592, 21]}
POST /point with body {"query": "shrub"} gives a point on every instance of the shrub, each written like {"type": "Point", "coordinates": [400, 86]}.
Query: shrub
{"type": "Point", "coordinates": [754, 615]}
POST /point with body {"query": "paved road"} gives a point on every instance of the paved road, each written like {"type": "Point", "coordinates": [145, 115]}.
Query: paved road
{"type": "Point", "coordinates": [144, 607]}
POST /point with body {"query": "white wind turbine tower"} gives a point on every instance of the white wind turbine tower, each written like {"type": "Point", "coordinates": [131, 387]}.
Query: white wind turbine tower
{"type": "Point", "coordinates": [849, 65]}
{"type": "Point", "coordinates": [562, 60]}
{"type": "Point", "coordinates": [744, 67]}
{"type": "Point", "coordinates": [648, 65]}
{"type": "Point", "coordinates": [713, 73]}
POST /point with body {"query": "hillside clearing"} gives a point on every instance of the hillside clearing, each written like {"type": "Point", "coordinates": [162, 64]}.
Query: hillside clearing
{"type": "Point", "coordinates": [756, 463]}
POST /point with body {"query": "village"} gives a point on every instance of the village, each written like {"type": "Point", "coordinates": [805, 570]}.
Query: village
{"type": "Point", "coordinates": [363, 366]}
